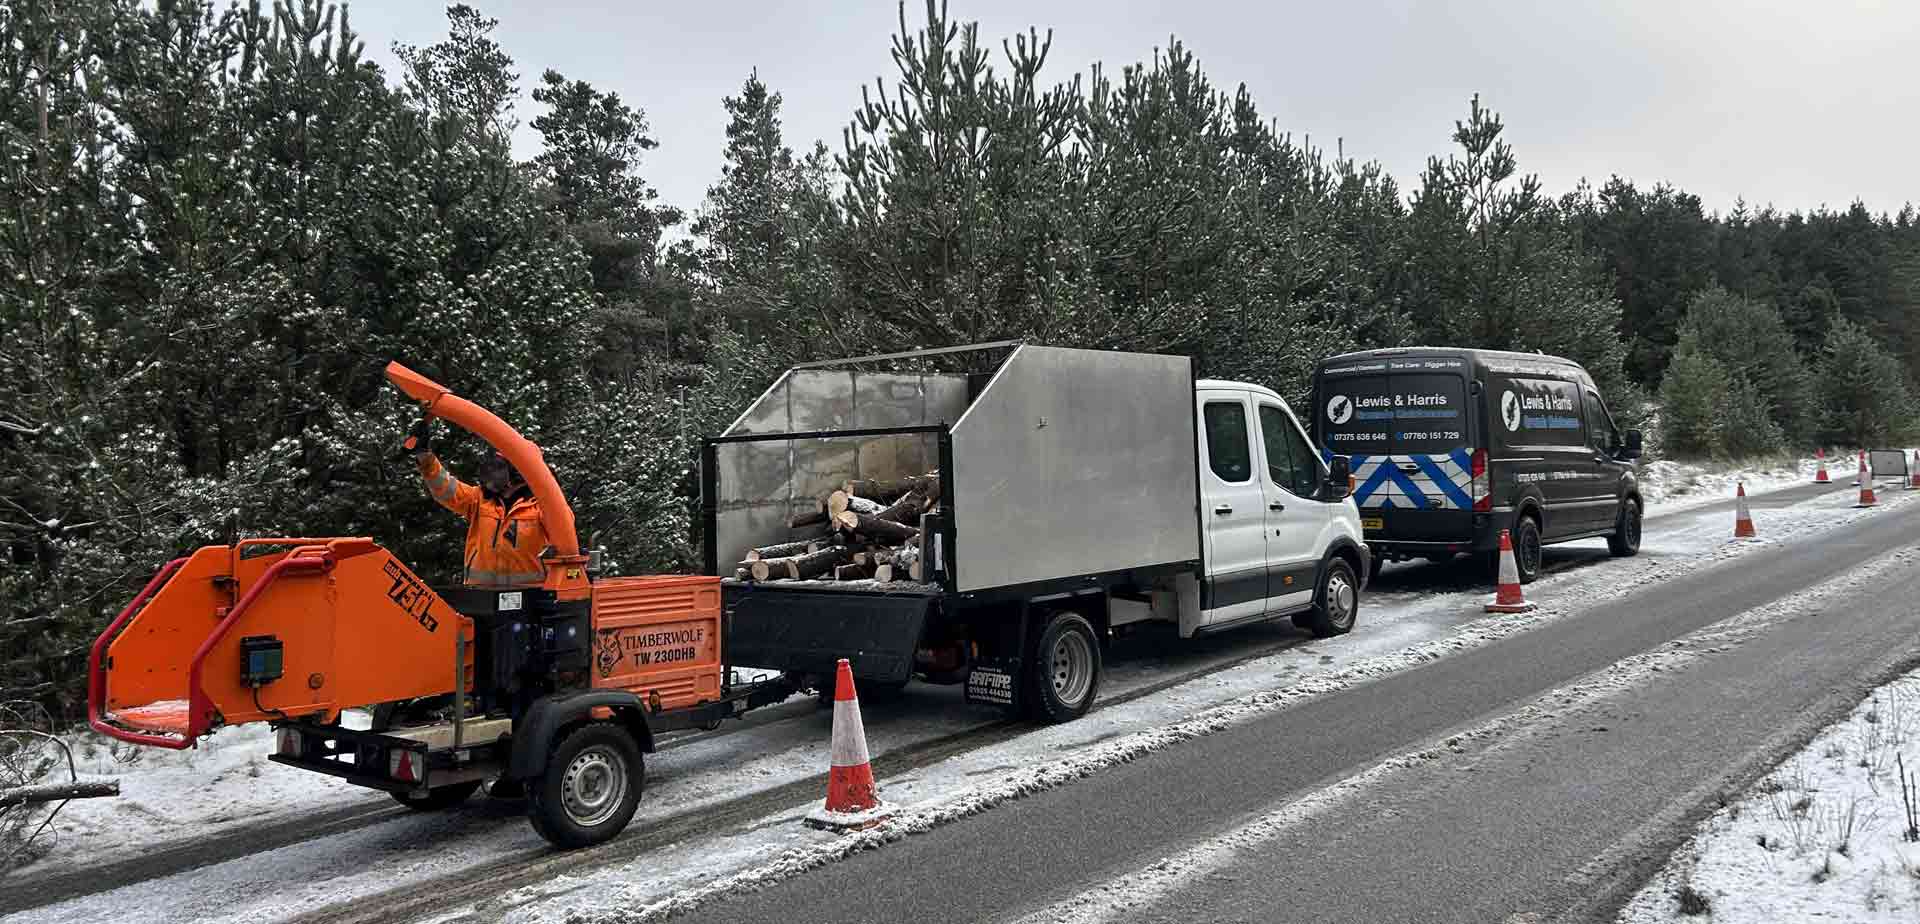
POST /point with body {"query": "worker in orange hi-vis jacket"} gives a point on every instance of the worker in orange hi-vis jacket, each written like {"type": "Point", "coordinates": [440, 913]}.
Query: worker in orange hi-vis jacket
{"type": "Point", "coordinates": [505, 536]}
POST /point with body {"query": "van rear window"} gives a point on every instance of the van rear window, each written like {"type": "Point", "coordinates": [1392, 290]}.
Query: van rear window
{"type": "Point", "coordinates": [1394, 414]}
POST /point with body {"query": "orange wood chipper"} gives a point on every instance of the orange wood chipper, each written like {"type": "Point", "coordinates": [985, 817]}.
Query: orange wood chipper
{"type": "Point", "coordinates": [559, 686]}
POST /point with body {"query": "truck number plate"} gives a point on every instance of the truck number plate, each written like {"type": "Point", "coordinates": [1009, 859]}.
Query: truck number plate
{"type": "Point", "coordinates": [1373, 523]}
{"type": "Point", "coordinates": [990, 685]}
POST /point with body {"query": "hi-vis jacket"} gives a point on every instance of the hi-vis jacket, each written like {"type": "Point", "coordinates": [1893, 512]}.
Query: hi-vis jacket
{"type": "Point", "coordinates": [503, 544]}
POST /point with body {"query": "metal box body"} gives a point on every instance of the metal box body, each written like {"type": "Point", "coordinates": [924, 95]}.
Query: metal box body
{"type": "Point", "coordinates": [658, 636]}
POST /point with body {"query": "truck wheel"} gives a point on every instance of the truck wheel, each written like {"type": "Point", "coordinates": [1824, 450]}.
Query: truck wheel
{"type": "Point", "coordinates": [1336, 602]}
{"type": "Point", "coordinates": [590, 788]}
{"type": "Point", "coordinates": [1062, 669]}
{"type": "Point", "coordinates": [1625, 541]}
{"type": "Point", "coordinates": [1526, 550]}
{"type": "Point", "coordinates": [437, 798]}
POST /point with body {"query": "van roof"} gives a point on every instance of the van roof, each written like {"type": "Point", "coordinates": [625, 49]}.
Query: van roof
{"type": "Point", "coordinates": [1467, 352]}
{"type": "Point", "coordinates": [1239, 386]}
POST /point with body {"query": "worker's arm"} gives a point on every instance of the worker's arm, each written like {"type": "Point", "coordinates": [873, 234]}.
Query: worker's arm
{"type": "Point", "coordinates": [450, 492]}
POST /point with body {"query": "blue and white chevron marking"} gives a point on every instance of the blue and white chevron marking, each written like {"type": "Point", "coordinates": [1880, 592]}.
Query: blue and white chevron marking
{"type": "Point", "coordinates": [1438, 481]}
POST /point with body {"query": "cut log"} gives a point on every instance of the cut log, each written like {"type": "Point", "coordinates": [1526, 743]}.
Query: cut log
{"type": "Point", "coordinates": [781, 550]}
{"type": "Point", "coordinates": [814, 564]}
{"type": "Point", "coordinates": [764, 569]}
{"type": "Point", "coordinates": [58, 792]}
{"type": "Point", "coordinates": [803, 520]}
{"type": "Point", "coordinates": [908, 560]}
{"type": "Point", "coordinates": [873, 527]}
{"type": "Point", "coordinates": [741, 574]}
{"type": "Point", "coordinates": [883, 573]}
{"type": "Point", "coordinates": [906, 510]}
{"type": "Point", "coordinates": [840, 502]}
{"type": "Point", "coordinates": [853, 572]}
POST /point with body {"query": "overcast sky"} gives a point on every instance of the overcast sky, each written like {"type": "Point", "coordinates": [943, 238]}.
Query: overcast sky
{"type": "Point", "coordinates": [1800, 104]}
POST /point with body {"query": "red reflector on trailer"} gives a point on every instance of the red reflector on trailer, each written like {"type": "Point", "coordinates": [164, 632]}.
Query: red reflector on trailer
{"type": "Point", "coordinates": [400, 767]}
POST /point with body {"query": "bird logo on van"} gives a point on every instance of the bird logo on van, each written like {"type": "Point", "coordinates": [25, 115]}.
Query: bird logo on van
{"type": "Point", "coordinates": [1340, 409]}
{"type": "Point", "coordinates": [1510, 410]}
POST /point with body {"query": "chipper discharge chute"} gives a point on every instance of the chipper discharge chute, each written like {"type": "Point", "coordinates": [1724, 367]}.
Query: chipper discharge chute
{"type": "Point", "coordinates": [555, 687]}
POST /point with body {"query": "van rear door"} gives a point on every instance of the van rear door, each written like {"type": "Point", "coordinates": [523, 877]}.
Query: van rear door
{"type": "Point", "coordinates": [1405, 427]}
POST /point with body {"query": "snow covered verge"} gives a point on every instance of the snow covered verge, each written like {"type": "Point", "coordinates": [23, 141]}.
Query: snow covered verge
{"type": "Point", "coordinates": [1670, 485]}
{"type": "Point", "coordinates": [1833, 834]}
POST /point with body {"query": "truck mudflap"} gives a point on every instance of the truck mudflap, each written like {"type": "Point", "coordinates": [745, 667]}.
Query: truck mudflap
{"type": "Point", "coordinates": [809, 631]}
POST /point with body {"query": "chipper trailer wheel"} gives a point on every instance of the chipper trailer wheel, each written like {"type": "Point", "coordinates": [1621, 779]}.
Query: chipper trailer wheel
{"type": "Point", "coordinates": [590, 788]}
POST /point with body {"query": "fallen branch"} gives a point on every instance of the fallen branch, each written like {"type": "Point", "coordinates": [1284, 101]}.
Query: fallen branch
{"type": "Point", "coordinates": [58, 792]}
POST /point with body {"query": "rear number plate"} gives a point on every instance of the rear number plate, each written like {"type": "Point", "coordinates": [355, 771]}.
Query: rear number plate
{"type": "Point", "coordinates": [1373, 523]}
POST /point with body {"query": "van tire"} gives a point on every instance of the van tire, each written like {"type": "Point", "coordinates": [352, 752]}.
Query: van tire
{"type": "Point", "coordinates": [569, 805]}
{"type": "Point", "coordinates": [438, 798]}
{"type": "Point", "coordinates": [1625, 541]}
{"type": "Point", "coordinates": [1526, 550]}
{"type": "Point", "coordinates": [1063, 669]}
{"type": "Point", "coordinates": [1336, 602]}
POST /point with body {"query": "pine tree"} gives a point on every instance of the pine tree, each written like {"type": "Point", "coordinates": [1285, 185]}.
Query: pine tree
{"type": "Point", "coordinates": [1691, 397]}
{"type": "Point", "coordinates": [1867, 399]}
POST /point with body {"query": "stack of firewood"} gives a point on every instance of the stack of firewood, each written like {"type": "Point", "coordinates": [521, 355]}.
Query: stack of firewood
{"type": "Point", "coordinates": [873, 535]}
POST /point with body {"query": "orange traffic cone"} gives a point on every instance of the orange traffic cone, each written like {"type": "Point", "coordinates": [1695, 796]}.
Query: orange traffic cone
{"type": "Point", "coordinates": [1820, 477]}
{"type": "Point", "coordinates": [1862, 474]}
{"type": "Point", "coordinates": [1742, 520]}
{"type": "Point", "coordinates": [852, 800]}
{"type": "Point", "coordinates": [1866, 485]}
{"type": "Point", "coordinates": [1913, 481]}
{"type": "Point", "coordinates": [1509, 598]}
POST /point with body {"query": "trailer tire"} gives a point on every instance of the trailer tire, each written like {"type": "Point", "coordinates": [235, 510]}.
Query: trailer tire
{"type": "Point", "coordinates": [437, 798]}
{"type": "Point", "coordinates": [590, 787]}
{"type": "Point", "coordinates": [1336, 602]}
{"type": "Point", "coordinates": [1062, 669]}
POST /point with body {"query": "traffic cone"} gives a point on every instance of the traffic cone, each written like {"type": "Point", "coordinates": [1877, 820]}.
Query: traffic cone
{"type": "Point", "coordinates": [1820, 477]}
{"type": "Point", "coordinates": [1742, 520]}
{"type": "Point", "coordinates": [1862, 474]}
{"type": "Point", "coordinates": [1509, 598]}
{"type": "Point", "coordinates": [1866, 485]}
{"type": "Point", "coordinates": [852, 800]}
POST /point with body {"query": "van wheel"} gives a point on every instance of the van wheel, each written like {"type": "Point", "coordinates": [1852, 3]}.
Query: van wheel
{"type": "Point", "coordinates": [1336, 602]}
{"type": "Point", "coordinates": [1625, 540]}
{"type": "Point", "coordinates": [1526, 549]}
{"type": "Point", "coordinates": [1062, 669]}
{"type": "Point", "coordinates": [590, 788]}
{"type": "Point", "coordinates": [437, 798]}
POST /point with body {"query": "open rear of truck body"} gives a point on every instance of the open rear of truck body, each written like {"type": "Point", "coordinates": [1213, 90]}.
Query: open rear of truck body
{"type": "Point", "coordinates": [1058, 467]}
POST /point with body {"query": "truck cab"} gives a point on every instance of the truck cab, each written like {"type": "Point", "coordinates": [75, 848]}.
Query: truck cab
{"type": "Point", "coordinates": [1273, 515]}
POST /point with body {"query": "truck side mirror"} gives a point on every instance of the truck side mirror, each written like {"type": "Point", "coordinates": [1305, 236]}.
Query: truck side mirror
{"type": "Point", "coordinates": [1339, 478]}
{"type": "Point", "coordinates": [1636, 445]}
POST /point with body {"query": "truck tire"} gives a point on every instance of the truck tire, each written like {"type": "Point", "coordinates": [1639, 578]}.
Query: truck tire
{"type": "Point", "coordinates": [1336, 602]}
{"type": "Point", "coordinates": [1062, 671]}
{"type": "Point", "coordinates": [437, 798]}
{"type": "Point", "coordinates": [1625, 541]}
{"type": "Point", "coordinates": [590, 788]}
{"type": "Point", "coordinates": [1526, 550]}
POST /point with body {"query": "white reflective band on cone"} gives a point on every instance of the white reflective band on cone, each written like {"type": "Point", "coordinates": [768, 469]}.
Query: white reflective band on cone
{"type": "Point", "coordinates": [849, 737]}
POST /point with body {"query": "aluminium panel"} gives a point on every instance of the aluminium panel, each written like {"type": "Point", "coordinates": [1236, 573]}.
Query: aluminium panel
{"type": "Point", "coordinates": [1075, 462]}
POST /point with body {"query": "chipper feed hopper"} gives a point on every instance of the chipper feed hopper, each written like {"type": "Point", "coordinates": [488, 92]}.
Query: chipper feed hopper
{"type": "Point", "coordinates": [558, 686]}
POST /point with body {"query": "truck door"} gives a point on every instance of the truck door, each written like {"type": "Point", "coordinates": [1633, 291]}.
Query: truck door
{"type": "Point", "coordinates": [1233, 505]}
{"type": "Point", "coordinates": [1296, 520]}
{"type": "Point", "coordinates": [1610, 471]}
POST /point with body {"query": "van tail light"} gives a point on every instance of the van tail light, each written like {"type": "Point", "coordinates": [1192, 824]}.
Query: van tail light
{"type": "Point", "coordinates": [1482, 485]}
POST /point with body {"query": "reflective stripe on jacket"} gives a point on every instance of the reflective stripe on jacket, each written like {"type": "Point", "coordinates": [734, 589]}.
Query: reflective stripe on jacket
{"type": "Point", "coordinates": [503, 543]}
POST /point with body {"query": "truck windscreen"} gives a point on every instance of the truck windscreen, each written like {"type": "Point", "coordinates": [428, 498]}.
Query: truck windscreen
{"type": "Point", "coordinates": [1397, 413]}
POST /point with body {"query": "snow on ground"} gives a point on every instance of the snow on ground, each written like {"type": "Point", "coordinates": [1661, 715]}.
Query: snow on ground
{"type": "Point", "coordinates": [1670, 485]}
{"type": "Point", "coordinates": [1417, 612]}
{"type": "Point", "coordinates": [1827, 836]}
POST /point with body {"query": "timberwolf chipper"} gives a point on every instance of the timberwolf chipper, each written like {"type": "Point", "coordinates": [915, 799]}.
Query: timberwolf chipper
{"type": "Point", "coordinates": [560, 685]}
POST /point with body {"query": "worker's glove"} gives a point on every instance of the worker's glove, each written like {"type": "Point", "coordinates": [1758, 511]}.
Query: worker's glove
{"type": "Point", "coordinates": [420, 437]}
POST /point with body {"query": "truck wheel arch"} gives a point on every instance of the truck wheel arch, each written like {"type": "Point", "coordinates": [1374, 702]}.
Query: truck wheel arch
{"type": "Point", "coordinates": [1343, 547]}
{"type": "Point", "coordinates": [550, 718]}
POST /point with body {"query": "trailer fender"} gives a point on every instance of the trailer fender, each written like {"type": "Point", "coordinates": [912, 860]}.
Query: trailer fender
{"type": "Point", "coordinates": [549, 718]}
